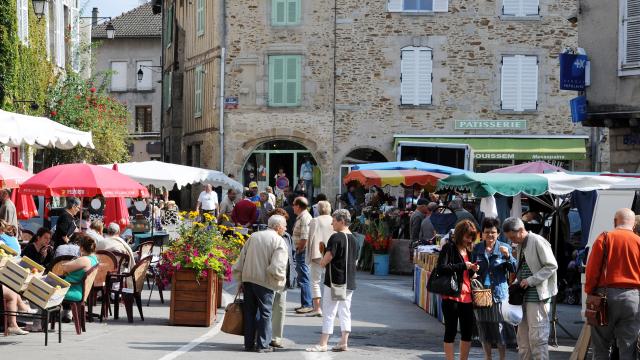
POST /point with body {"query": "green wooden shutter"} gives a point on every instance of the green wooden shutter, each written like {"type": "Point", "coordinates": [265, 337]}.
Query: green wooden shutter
{"type": "Point", "coordinates": [200, 17]}
{"type": "Point", "coordinates": [293, 12]}
{"type": "Point", "coordinates": [197, 98]}
{"type": "Point", "coordinates": [276, 80]}
{"type": "Point", "coordinates": [292, 86]}
{"type": "Point", "coordinates": [168, 35]}
{"type": "Point", "coordinates": [278, 12]}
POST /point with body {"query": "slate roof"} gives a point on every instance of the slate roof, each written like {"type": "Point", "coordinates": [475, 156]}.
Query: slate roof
{"type": "Point", "coordinates": [136, 23]}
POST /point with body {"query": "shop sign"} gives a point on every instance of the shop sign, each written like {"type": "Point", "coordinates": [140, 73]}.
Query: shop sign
{"type": "Point", "coordinates": [522, 156]}
{"type": "Point", "coordinates": [573, 71]}
{"type": "Point", "coordinates": [491, 124]}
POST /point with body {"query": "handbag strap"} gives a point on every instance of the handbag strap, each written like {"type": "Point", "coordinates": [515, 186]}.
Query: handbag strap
{"type": "Point", "coordinates": [605, 258]}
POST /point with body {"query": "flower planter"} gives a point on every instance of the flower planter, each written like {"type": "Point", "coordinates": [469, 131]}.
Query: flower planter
{"type": "Point", "coordinates": [219, 282]}
{"type": "Point", "coordinates": [193, 303]}
{"type": "Point", "coordinates": [381, 264]}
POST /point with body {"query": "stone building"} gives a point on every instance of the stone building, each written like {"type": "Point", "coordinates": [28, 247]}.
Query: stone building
{"type": "Point", "coordinates": [133, 58]}
{"type": "Point", "coordinates": [610, 33]}
{"type": "Point", "coordinates": [472, 84]}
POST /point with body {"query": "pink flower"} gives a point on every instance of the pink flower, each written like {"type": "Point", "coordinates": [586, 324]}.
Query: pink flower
{"type": "Point", "coordinates": [204, 273]}
{"type": "Point", "coordinates": [92, 89]}
{"type": "Point", "coordinates": [195, 252]}
{"type": "Point", "coordinates": [178, 266]}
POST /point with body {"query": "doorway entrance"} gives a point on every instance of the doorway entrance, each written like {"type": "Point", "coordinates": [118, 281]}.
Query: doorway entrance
{"type": "Point", "coordinates": [264, 164]}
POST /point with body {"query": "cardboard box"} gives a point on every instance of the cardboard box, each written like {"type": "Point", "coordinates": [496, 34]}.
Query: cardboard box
{"type": "Point", "coordinates": [17, 273]}
{"type": "Point", "coordinates": [47, 291]}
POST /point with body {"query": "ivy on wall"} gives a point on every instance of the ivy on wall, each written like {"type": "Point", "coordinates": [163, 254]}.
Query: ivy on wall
{"type": "Point", "coordinates": [25, 72]}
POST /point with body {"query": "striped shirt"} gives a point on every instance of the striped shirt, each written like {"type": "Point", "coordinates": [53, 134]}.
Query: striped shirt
{"type": "Point", "coordinates": [531, 295]}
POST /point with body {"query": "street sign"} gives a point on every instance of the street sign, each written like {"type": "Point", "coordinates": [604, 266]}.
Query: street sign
{"type": "Point", "coordinates": [491, 125]}
{"type": "Point", "coordinates": [231, 102]}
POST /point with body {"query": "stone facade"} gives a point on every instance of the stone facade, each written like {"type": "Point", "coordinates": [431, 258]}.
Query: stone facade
{"type": "Point", "coordinates": [357, 49]}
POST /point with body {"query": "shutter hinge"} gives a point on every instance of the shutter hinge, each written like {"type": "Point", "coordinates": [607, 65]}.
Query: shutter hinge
{"type": "Point", "coordinates": [400, 77]}
{"type": "Point", "coordinates": [432, 77]}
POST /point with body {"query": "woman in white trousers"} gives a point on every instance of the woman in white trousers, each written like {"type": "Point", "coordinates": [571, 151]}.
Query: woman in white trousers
{"type": "Point", "coordinates": [340, 262]}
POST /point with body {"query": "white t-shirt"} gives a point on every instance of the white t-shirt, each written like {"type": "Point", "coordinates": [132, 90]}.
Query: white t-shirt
{"type": "Point", "coordinates": [208, 201]}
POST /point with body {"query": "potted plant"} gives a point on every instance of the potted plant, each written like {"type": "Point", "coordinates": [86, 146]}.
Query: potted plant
{"type": "Point", "coordinates": [194, 264]}
{"type": "Point", "coordinates": [379, 239]}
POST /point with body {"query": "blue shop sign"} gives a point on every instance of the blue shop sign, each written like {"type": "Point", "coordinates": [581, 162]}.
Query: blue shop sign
{"type": "Point", "coordinates": [578, 109]}
{"type": "Point", "coordinates": [572, 71]}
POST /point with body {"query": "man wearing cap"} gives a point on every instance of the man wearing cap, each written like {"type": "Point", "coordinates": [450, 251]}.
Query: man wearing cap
{"type": "Point", "coordinates": [415, 221]}
{"type": "Point", "coordinates": [255, 197]}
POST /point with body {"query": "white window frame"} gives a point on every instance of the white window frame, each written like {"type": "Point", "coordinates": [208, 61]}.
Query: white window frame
{"type": "Point", "coordinates": [519, 106]}
{"type": "Point", "coordinates": [625, 69]}
{"type": "Point", "coordinates": [147, 75]}
{"type": "Point", "coordinates": [416, 101]}
{"type": "Point", "coordinates": [120, 75]}
{"type": "Point", "coordinates": [59, 33]}
{"type": "Point", "coordinates": [522, 9]}
{"type": "Point", "coordinates": [398, 6]}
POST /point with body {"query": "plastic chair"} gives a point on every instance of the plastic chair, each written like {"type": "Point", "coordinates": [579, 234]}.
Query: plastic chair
{"type": "Point", "coordinates": [130, 288]}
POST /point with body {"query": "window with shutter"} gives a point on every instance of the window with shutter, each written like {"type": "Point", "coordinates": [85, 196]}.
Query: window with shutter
{"type": "Point", "coordinates": [118, 76]}
{"type": "Point", "coordinates": [75, 39]}
{"type": "Point", "coordinates": [418, 5]}
{"type": "Point", "coordinates": [520, 8]}
{"type": "Point", "coordinates": [60, 44]}
{"type": "Point", "coordinates": [416, 68]}
{"type": "Point", "coordinates": [630, 36]}
{"type": "Point", "coordinates": [285, 12]}
{"type": "Point", "coordinates": [168, 29]}
{"type": "Point", "coordinates": [285, 73]}
{"type": "Point", "coordinates": [166, 89]}
{"type": "Point", "coordinates": [200, 17]}
{"type": "Point", "coordinates": [22, 7]}
{"type": "Point", "coordinates": [198, 82]}
{"type": "Point", "coordinates": [519, 83]}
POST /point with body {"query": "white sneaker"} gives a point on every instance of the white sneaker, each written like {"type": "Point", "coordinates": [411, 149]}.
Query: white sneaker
{"type": "Point", "coordinates": [314, 314]}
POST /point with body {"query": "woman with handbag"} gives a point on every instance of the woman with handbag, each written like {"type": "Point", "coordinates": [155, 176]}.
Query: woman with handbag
{"type": "Point", "coordinates": [340, 281]}
{"type": "Point", "coordinates": [495, 262]}
{"type": "Point", "coordinates": [455, 261]}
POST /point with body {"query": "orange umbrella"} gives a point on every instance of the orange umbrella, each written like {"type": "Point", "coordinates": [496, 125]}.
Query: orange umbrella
{"type": "Point", "coordinates": [115, 210]}
{"type": "Point", "coordinates": [383, 178]}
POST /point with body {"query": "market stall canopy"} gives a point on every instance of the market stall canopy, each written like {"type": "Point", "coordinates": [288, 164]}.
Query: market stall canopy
{"type": "Point", "coordinates": [82, 180]}
{"type": "Point", "coordinates": [489, 184]}
{"type": "Point", "coordinates": [382, 178]}
{"type": "Point", "coordinates": [12, 176]}
{"type": "Point", "coordinates": [534, 167]}
{"type": "Point", "coordinates": [161, 174]}
{"type": "Point", "coordinates": [411, 165]}
{"type": "Point", "coordinates": [19, 129]}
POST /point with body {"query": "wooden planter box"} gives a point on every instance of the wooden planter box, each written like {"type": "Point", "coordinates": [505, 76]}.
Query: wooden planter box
{"type": "Point", "coordinates": [193, 303]}
{"type": "Point", "coordinates": [219, 282]}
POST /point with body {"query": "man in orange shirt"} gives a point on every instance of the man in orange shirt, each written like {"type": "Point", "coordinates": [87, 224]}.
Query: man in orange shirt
{"type": "Point", "coordinates": [621, 281]}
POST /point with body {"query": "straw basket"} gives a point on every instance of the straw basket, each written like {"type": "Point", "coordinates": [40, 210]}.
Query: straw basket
{"type": "Point", "coordinates": [482, 298]}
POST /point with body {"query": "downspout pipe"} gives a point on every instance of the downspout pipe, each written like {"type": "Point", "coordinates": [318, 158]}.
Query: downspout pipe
{"type": "Point", "coordinates": [223, 53]}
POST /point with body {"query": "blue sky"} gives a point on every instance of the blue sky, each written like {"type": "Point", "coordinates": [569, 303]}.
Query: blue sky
{"type": "Point", "coordinates": [108, 7]}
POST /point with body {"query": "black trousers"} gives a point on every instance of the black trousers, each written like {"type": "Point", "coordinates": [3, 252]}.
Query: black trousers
{"type": "Point", "coordinates": [456, 312]}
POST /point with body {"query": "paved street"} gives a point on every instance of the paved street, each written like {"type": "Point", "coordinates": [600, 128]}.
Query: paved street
{"type": "Point", "coordinates": [386, 324]}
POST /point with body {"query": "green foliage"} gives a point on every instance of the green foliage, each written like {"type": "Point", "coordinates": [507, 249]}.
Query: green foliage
{"type": "Point", "coordinates": [77, 103]}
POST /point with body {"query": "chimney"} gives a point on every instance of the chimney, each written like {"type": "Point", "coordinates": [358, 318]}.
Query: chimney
{"type": "Point", "coordinates": [94, 16]}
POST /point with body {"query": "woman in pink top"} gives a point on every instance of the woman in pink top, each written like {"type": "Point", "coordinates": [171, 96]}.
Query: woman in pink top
{"type": "Point", "coordinates": [455, 258]}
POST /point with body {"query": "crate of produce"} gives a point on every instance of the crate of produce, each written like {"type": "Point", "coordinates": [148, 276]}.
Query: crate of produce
{"type": "Point", "coordinates": [47, 291]}
{"type": "Point", "coordinates": [17, 273]}
{"type": "Point", "coordinates": [6, 253]}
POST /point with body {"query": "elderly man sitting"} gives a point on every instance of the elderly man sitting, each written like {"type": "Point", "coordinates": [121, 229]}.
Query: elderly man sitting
{"type": "Point", "coordinates": [112, 242]}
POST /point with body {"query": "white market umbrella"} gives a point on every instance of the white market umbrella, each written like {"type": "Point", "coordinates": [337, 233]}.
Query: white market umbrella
{"type": "Point", "coordinates": [20, 129]}
{"type": "Point", "coordinates": [161, 174]}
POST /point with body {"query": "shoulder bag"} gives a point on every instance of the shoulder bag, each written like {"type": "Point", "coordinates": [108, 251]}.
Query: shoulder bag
{"type": "Point", "coordinates": [596, 311]}
{"type": "Point", "coordinates": [516, 292]}
{"type": "Point", "coordinates": [443, 284]}
{"type": "Point", "coordinates": [339, 291]}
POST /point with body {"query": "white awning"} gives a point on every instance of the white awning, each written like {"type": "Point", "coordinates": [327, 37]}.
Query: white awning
{"type": "Point", "coordinates": [161, 174]}
{"type": "Point", "coordinates": [19, 129]}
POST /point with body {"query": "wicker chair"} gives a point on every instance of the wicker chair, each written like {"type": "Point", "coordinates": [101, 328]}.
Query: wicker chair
{"type": "Point", "coordinates": [108, 265]}
{"type": "Point", "coordinates": [56, 264]}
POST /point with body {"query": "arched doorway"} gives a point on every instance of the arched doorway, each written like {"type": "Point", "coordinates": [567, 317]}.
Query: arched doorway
{"type": "Point", "coordinates": [271, 159]}
{"type": "Point", "coordinates": [356, 157]}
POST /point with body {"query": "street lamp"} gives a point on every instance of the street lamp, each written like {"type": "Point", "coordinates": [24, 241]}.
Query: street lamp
{"type": "Point", "coordinates": [141, 73]}
{"type": "Point", "coordinates": [111, 31]}
{"type": "Point", "coordinates": [38, 7]}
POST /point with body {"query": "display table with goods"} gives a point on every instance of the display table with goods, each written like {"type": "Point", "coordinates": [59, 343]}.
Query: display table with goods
{"type": "Point", "coordinates": [196, 264]}
{"type": "Point", "coordinates": [44, 291]}
{"type": "Point", "coordinates": [425, 260]}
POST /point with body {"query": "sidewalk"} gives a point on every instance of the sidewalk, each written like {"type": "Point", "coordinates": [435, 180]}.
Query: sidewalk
{"type": "Point", "coordinates": [386, 325]}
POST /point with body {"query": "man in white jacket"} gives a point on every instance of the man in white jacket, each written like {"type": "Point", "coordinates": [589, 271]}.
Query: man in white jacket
{"type": "Point", "coordinates": [537, 273]}
{"type": "Point", "coordinates": [262, 270]}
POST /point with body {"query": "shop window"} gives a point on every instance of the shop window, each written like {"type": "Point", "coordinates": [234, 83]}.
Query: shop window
{"type": "Point", "coordinates": [416, 76]}
{"type": "Point", "coordinates": [144, 119]}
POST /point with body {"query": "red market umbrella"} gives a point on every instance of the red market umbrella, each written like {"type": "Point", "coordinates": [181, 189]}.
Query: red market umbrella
{"type": "Point", "coordinates": [12, 176]}
{"type": "Point", "coordinates": [82, 180]}
{"type": "Point", "coordinates": [115, 209]}
{"type": "Point", "coordinates": [25, 206]}
{"type": "Point", "coordinates": [383, 178]}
